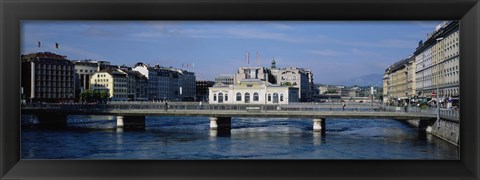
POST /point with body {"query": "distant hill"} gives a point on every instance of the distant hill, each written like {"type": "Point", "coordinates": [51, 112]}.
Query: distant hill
{"type": "Point", "coordinates": [365, 80]}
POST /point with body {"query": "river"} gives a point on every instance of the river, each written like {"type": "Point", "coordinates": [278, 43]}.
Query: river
{"type": "Point", "coordinates": [189, 138]}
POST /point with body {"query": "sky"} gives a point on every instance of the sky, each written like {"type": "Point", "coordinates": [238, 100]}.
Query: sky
{"type": "Point", "coordinates": [335, 51]}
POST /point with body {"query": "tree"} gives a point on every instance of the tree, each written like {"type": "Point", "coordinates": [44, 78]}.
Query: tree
{"type": "Point", "coordinates": [287, 84]}
{"type": "Point", "coordinates": [104, 96]}
{"type": "Point", "coordinates": [94, 96]}
{"type": "Point", "coordinates": [87, 95]}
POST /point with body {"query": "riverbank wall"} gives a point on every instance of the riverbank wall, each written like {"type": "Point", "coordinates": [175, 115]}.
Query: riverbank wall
{"type": "Point", "coordinates": [445, 129]}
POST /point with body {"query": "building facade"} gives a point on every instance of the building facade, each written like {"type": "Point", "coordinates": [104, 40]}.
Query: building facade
{"type": "Point", "coordinates": [137, 85]}
{"type": "Point", "coordinates": [260, 73]}
{"type": "Point", "coordinates": [226, 79]}
{"type": "Point", "coordinates": [47, 77]}
{"type": "Point", "coordinates": [202, 89]}
{"type": "Point", "coordinates": [252, 91]}
{"type": "Point", "coordinates": [438, 62]}
{"type": "Point", "coordinates": [115, 82]}
{"type": "Point", "coordinates": [398, 83]}
{"type": "Point", "coordinates": [434, 64]}
{"type": "Point", "coordinates": [301, 78]}
{"type": "Point", "coordinates": [168, 83]}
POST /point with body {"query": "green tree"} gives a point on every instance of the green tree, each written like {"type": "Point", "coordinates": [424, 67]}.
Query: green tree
{"type": "Point", "coordinates": [87, 95]}
{"type": "Point", "coordinates": [96, 95]}
{"type": "Point", "coordinates": [287, 84]}
{"type": "Point", "coordinates": [104, 96]}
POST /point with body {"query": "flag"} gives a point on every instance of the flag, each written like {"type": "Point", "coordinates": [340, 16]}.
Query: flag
{"type": "Point", "coordinates": [56, 45]}
{"type": "Point", "coordinates": [39, 44]}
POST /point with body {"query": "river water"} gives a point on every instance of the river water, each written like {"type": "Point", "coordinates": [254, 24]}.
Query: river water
{"type": "Point", "coordinates": [186, 138]}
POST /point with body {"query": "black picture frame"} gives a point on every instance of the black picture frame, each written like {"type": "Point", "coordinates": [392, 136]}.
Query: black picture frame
{"type": "Point", "coordinates": [13, 12]}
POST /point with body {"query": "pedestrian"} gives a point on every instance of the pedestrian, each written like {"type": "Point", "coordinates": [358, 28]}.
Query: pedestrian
{"type": "Point", "coordinates": [343, 106]}
{"type": "Point", "coordinates": [200, 104]}
{"type": "Point", "coordinates": [166, 106]}
{"type": "Point", "coordinates": [406, 106]}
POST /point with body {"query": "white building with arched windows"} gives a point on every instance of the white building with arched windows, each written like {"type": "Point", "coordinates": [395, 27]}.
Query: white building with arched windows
{"type": "Point", "coordinates": [252, 91]}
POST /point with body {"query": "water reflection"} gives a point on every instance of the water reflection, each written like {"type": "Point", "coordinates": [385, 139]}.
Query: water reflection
{"type": "Point", "coordinates": [318, 138]}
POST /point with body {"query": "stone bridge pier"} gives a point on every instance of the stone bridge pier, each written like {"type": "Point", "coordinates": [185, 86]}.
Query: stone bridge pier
{"type": "Point", "coordinates": [220, 125]}
{"type": "Point", "coordinates": [131, 122]}
{"type": "Point", "coordinates": [319, 125]}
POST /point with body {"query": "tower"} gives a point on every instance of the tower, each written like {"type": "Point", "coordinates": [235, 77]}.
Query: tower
{"type": "Point", "coordinates": [274, 64]}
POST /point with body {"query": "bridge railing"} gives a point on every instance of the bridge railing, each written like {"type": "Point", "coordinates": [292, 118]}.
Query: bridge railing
{"type": "Point", "coordinates": [445, 113]}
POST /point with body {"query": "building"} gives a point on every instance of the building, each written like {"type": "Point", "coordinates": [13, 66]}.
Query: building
{"type": "Point", "coordinates": [386, 85]}
{"type": "Point", "coordinates": [252, 91]}
{"type": "Point", "coordinates": [188, 85]}
{"type": "Point", "coordinates": [168, 83]}
{"type": "Point", "coordinates": [437, 62]}
{"type": "Point", "coordinates": [114, 81]}
{"type": "Point", "coordinates": [302, 78]}
{"type": "Point", "coordinates": [202, 89]}
{"type": "Point", "coordinates": [260, 73]}
{"type": "Point", "coordinates": [137, 85]}
{"type": "Point", "coordinates": [397, 81]}
{"type": "Point", "coordinates": [47, 77]}
{"type": "Point", "coordinates": [226, 79]}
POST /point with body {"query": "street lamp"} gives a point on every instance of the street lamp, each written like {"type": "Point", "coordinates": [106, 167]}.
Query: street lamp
{"type": "Point", "coordinates": [436, 84]}
{"type": "Point", "coordinates": [406, 87]}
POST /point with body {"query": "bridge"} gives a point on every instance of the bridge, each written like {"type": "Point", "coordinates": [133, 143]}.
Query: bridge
{"type": "Point", "coordinates": [132, 114]}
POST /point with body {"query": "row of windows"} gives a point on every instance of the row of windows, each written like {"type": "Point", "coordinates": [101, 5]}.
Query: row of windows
{"type": "Point", "coordinates": [100, 85]}
{"type": "Point", "coordinates": [54, 90]}
{"type": "Point", "coordinates": [91, 71]}
{"type": "Point", "coordinates": [246, 97]}
{"type": "Point", "coordinates": [101, 80]}
{"type": "Point", "coordinates": [50, 66]}
{"type": "Point", "coordinates": [120, 90]}
{"type": "Point", "coordinates": [54, 95]}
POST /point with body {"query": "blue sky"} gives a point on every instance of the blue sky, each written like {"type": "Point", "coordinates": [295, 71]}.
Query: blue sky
{"type": "Point", "coordinates": [334, 51]}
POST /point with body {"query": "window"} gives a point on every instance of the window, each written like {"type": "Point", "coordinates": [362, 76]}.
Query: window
{"type": "Point", "coordinates": [247, 97]}
{"type": "Point", "coordinates": [220, 97]}
{"type": "Point", "coordinates": [226, 97]}
{"type": "Point", "coordinates": [281, 97]}
{"type": "Point", "coordinates": [275, 97]}
{"type": "Point", "coordinates": [214, 97]}
{"type": "Point", "coordinates": [255, 96]}
{"type": "Point", "coordinates": [269, 97]}
{"type": "Point", "coordinates": [239, 97]}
